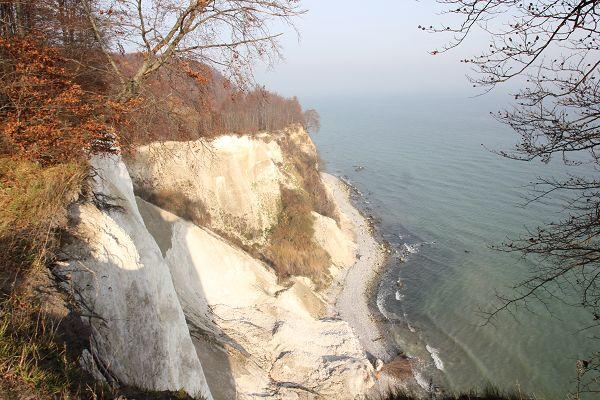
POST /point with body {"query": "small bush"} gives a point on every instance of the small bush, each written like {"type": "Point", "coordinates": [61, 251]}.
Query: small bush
{"type": "Point", "coordinates": [292, 249]}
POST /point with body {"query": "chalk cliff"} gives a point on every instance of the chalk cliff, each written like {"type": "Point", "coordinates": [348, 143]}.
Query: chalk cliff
{"type": "Point", "coordinates": [139, 335]}
{"type": "Point", "coordinates": [173, 304]}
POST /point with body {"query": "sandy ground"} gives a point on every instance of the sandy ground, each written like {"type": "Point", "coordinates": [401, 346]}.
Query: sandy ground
{"type": "Point", "coordinates": [354, 297]}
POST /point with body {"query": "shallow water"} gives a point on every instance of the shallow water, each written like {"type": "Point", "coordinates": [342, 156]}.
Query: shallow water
{"type": "Point", "coordinates": [442, 198]}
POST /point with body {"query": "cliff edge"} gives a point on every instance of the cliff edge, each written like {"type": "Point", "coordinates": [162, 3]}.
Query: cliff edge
{"type": "Point", "coordinates": [183, 284]}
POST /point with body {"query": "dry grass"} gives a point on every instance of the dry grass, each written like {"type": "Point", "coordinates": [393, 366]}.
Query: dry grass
{"type": "Point", "coordinates": [292, 249]}
{"type": "Point", "coordinates": [34, 362]}
{"type": "Point", "coordinates": [307, 172]}
{"type": "Point", "coordinates": [31, 195]}
{"type": "Point", "coordinates": [178, 204]}
{"type": "Point", "coordinates": [489, 393]}
{"type": "Point", "coordinates": [33, 202]}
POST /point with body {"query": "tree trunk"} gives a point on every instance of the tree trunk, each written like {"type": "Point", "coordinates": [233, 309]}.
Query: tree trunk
{"type": "Point", "coordinates": [19, 19]}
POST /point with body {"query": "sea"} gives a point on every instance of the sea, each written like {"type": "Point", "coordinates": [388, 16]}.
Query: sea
{"type": "Point", "coordinates": [428, 172]}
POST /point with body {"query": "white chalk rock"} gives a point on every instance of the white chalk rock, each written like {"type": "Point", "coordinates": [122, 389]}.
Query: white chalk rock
{"type": "Point", "coordinates": [334, 241]}
{"type": "Point", "coordinates": [140, 336]}
{"type": "Point", "coordinates": [235, 178]}
{"type": "Point", "coordinates": [276, 344]}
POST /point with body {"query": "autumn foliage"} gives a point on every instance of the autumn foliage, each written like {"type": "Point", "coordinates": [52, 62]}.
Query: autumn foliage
{"type": "Point", "coordinates": [46, 116]}
{"type": "Point", "coordinates": [187, 100]}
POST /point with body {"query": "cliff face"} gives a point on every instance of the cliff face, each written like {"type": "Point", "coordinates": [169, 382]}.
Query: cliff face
{"type": "Point", "coordinates": [119, 277]}
{"type": "Point", "coordinates": [174, 305]}
{"type": "Point", "coordinates": [234, 180]}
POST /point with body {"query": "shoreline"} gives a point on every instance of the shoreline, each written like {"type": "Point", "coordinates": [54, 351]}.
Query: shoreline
{"type": "Point", "coordinates": [354, 292]}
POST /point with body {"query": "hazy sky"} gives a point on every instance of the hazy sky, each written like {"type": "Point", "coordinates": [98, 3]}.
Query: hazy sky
{"type": "Point", "coordinates": [355, 47]}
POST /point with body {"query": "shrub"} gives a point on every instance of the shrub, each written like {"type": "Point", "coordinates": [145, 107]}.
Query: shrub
{"type": "Point", "coordinates": [292, 249]}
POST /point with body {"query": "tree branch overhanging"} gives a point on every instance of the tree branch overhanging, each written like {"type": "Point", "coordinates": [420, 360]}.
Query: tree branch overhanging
{"type": "Point", "coordinates": [219, 32]}
{"type": "Point", "coordinates": [552, 48]}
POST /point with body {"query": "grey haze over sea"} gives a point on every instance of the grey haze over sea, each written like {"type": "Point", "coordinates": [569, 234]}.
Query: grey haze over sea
{"type": "Point", "coordinates": [434, 187]}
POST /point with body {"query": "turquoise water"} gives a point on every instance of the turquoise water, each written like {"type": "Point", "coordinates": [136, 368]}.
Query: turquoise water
{"type": "Point", "coordinates": [432, 182]}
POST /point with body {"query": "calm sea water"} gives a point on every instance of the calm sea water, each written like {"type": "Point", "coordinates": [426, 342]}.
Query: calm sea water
{"type": "Point", "coordinates": [433, 183]}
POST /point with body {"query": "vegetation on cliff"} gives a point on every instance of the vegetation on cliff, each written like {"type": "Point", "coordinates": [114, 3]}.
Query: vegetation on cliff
{"type": "Point", "coordinates": [292, 249]}
{"type": "Point", "coordinates": [85, 77]}
{"type": "Point", "coordinates": [489, 393]}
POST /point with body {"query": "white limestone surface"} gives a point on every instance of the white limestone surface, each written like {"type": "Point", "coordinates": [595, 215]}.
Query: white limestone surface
{"type": "Point", "coordinates": [277, 341]}
{"type": "Point", "coordinates": [235, 178]}
{"type": "Point", "coordinates": [116, 270]}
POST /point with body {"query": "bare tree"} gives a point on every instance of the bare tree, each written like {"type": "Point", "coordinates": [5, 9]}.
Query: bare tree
{"type": "Point", "coordinates": [552, 48]}
{"type": "Point", "coordinates": [60, 23]}
{"type": "Point", "coordinates": [226, 34]}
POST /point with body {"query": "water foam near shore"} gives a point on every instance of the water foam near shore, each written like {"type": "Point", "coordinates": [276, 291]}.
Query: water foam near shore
{"type": "Point", "coordinates": [388, 333]}
{"type": "Point", "coordinates": [430, 184]}
{"type": "Point", "coordinates": [398, 335]}
{"type": "Point", "coordinates": [368, 315]}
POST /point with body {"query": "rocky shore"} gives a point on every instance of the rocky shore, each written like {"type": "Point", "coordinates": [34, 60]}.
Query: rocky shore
{"type": "Point", "coordinates": [354, 293]}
